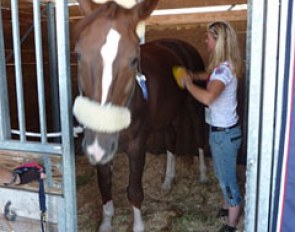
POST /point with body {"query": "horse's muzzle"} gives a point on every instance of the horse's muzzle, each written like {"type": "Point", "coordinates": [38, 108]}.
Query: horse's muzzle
{"type": "Point", "coordinates": [100, 148]}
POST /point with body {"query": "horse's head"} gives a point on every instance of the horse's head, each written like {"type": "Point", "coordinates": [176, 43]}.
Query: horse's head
{"type": "Point", "coordinates": [107, 49]}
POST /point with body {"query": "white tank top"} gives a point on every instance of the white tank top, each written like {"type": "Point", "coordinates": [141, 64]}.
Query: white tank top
{"type": "Point", "coordinates": [222, 112]}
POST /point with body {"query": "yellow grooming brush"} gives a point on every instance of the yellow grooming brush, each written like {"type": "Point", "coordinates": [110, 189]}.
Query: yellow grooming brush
{"type": "Point", "coordinates": [179, 73]}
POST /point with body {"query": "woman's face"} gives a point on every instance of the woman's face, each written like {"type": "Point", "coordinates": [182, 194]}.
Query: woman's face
{"type": "Point", "coordinates": [211, 42]}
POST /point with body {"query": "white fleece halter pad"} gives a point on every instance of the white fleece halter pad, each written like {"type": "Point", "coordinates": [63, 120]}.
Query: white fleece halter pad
{"type": "Point", "coordinates": [124, 3]}
{"type": "Point", "coordinates": [107, 118]}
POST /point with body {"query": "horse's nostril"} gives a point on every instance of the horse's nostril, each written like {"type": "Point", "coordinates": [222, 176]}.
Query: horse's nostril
{"type": "Point", "coordinates": [113, 146]}
{"type": "Point", "coordinates": [91, 157]}
{"type": "Point", "coordinates": [83, 145]}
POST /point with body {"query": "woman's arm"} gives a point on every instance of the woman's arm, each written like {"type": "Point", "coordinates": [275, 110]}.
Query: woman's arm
{"type": "Point", "coordinates": [205, 96]}
{"type": "Point", "coordinates": [199, 76]}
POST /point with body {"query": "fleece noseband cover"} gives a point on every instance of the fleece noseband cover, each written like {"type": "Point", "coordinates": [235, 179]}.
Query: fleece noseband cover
{"type": "Point", "coordinates": [101, 118]}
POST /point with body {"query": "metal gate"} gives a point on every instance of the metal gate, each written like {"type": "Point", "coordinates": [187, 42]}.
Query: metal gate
{"type": "Point", "coordinates": [63, 205]}
{"type": "Point", "coordinates": [267, 68]}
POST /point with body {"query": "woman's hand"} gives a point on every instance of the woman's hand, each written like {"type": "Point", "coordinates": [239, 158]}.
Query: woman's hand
{"type": "Point", "coordinates": [187, 80]}
{"type": "Point", "coordinates": [193, 75]}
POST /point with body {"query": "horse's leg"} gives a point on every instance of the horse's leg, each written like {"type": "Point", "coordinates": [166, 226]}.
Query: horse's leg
{"type": "Point", "coordinates": [104, 174]}
{"type": "Point", "coordinates": [135, 190]}
{"type": "Point", "coordinates": [107, 215]}
{"type": "Point", "coordinates": [138, 223]}
{"type": "Point", "coordinates": [170, 141]}
{"type": "Point", "coordinates": [170, 171]}
{"type": "Point", "coordinates": [202, 167]}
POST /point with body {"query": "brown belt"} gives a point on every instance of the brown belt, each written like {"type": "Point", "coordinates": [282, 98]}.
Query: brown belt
{"type": "Point", "coordinates": [214, 128]}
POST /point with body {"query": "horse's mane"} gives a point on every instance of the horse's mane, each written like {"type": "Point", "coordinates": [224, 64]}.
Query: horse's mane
{"type": "Point", "coordinates": [109, 10]}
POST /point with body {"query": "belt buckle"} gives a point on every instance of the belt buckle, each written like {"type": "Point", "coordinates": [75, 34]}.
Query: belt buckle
{"type": "Point", "coordinates": [214, 128]}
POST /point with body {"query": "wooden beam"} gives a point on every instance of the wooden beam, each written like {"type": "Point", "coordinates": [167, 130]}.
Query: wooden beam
{"type": "Point", "coordinates": [163, 4]}
{"type": "Point", "coordinates": [175, 4]}
{"type": "Point", "coordinates": [239, 15]}
{"type": "Point", "coordinates": [159, 20]}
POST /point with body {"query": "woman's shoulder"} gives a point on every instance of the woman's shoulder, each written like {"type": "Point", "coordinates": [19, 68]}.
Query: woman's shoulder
{"type": "Point", "coordinates": [223, 72]}
{"type": "Point", "coordinates": [224, 66]}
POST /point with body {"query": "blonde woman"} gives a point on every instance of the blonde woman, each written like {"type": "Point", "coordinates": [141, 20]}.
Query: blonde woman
{"type": "Point", "coordinates": [221, 113]}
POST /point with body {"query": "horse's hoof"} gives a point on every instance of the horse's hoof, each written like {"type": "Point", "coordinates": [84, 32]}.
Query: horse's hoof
{"type": "Point", "coordinates": [204, 180]}
{"type": "Point", "coordinates": [165, 190]}
{"type": "Point", "coordinates": [138, 229]}
{"type": "Point", "coordinates": [108, 230]}
{"type": "Point", "coordinates": [166, 187]}
{"type": "Point", "coordinates": [104, 228]}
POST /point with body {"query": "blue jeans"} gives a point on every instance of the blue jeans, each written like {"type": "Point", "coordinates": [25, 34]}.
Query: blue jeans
{"type": "Point", "coordinates": [224, 147]}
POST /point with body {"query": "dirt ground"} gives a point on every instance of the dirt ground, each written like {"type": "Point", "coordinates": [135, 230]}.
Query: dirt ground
{"type": "Point", "coordinates": [189, 207]}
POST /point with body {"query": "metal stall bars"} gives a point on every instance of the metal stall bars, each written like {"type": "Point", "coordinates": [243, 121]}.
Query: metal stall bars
{"type": "Point", "coordinates": [63, 205]}
{"type": "Point", "coordinates": [265, 68]}
{"type": "Point", "coordinates": [4, 109]}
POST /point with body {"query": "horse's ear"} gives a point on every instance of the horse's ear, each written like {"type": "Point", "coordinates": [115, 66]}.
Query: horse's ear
{"type": "Point", "coordinates": [86, 6]}
{"type": "Point", "coordinates": [144, 9]}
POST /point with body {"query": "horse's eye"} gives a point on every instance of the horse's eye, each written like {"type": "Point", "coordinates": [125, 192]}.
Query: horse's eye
{"type": "Point", "coordinates": [134, 62]}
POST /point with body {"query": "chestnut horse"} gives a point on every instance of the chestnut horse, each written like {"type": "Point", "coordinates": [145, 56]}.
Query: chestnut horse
{"type": "Point", "coordinates": [127, 93]}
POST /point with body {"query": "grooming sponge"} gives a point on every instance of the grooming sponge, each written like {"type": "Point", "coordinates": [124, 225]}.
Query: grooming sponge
{"type": "Point", "coordinates": [179, 73]}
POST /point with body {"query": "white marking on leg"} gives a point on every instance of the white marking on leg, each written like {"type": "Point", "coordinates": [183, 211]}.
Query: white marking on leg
{"type": "Point", "coordinates": [202, 167]}
{"type": "Point", "coordinates": [138, 225]}
{"type": "Point", "coordinates": [108, 52]}
{"type": "Point", "coordinates": [170, 171]}
{"type": "Point", "coordinates": [107, 215]}
{"type": "Point", "coordinates": [95, 151]}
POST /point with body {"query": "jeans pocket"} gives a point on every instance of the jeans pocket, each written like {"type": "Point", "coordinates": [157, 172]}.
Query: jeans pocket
{"type": "Point", "coordinates": [236, 140]}
{"type": "Point", "coordinates": [216, 138]}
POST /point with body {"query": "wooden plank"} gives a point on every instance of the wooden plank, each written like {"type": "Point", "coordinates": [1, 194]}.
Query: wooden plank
{"type": "Point", "coordinates": [161, 20]}
{"type": "Point", "coordinates": [75, 13]}
{"type": "Point", "coordinates": [11, 159]}
{"type": "Point", "coordinates": [163, 4]}
{"type": "Point", "coordinates": [175, 4]}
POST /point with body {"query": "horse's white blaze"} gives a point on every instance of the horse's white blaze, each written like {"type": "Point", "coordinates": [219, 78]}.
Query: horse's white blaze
{"type": "Point", "coordinates": [108, 52]}
{"type": "Point", "coordinates": [95, 151]}
{"type": "Point", "coordinates": [170, 171]}
{"type": "Point", "coordinates": [107, 215]}
{"type": "Point", "coordinates": [138, 225]}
